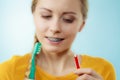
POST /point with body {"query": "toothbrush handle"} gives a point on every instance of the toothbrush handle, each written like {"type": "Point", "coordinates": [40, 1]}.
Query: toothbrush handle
{"type": "Point", "coordinates": [76, 62]}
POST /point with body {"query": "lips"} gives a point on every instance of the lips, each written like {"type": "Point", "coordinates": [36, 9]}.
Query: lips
{"type": "Point", "coordinates": [55, 39]}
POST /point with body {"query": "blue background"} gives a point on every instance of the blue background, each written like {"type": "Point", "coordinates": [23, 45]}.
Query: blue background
{"type": "Point", "coordinates": [100, 36]}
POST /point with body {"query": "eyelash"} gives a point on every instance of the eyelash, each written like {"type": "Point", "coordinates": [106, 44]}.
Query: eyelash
{"type": "Point", "coordinates": [46, 17]}
{"type": "Point", "coordinates": [66, 20]}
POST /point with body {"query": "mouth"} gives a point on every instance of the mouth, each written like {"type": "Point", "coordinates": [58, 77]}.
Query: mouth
{"type": "Point", "coordinates": [55, 39]}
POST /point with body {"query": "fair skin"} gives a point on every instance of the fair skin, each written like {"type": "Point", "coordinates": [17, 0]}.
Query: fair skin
{"type": "Point", "coordinates": [56, 28]}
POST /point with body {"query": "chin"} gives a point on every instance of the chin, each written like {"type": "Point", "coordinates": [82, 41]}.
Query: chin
{"type": "Point", "coordinates": [54, 49]}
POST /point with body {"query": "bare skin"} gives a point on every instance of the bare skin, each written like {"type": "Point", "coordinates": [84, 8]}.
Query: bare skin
{"type": "Point", "coordinates": [59, 65]}
{"type": "Point", "coordinates": [87, 74]}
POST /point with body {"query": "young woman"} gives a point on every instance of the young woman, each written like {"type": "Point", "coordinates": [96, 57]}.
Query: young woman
{"type": "Point", "coordinates": [57, 22]}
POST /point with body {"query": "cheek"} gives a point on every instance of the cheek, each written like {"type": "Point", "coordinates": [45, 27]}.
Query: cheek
{"type": "Point", "coordinates": [40, 29]}
{"type": "Point", "coordinates": [70, 34]}
{"type": "Point", "coordinates": [40, 26]}
{"type": "Point", "coordinates": [71, 30]}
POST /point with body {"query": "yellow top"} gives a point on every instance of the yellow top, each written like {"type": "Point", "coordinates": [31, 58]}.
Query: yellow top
{"type": "Point", "coordinates": [15, 69]}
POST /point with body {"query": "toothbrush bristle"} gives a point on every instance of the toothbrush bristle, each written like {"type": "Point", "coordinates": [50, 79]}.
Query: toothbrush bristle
{"type": "Point", "coordinates": [37, 48]}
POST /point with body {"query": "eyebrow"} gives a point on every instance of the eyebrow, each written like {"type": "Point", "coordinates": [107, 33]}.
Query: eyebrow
{"type": "Point", "coordinates": [69, 12]}
{"type": "Point", "coordinates": [46, 9]}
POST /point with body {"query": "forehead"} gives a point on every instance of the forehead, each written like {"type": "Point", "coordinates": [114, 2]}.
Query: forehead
{"type": "Point", "coordinates": [60, 5]}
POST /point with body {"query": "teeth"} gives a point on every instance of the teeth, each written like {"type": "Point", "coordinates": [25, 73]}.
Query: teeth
{"type": "Point", "coordinates": [55, 39]}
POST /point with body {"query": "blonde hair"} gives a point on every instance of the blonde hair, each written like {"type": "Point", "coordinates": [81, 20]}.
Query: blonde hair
{"type": "Point", "coordinates": [35, 39]}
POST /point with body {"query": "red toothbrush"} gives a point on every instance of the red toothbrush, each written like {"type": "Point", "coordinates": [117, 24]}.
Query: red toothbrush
{"type": "Point", "coordinates": [76, 61]}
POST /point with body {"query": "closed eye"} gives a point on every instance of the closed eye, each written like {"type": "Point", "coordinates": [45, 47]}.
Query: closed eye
{"type": "Point", "coordinates": [46, 17]}
{"type": "Point", "coordinates": [68, 20]}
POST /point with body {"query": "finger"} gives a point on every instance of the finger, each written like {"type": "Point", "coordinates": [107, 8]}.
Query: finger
{"type": "Point", "coordinates": [86, 71]}
{"type": "Point", "coordinates": [86, 77]}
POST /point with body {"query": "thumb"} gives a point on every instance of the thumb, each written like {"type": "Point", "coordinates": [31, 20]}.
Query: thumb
{"type": "Point", "coordinates": [78, 72]}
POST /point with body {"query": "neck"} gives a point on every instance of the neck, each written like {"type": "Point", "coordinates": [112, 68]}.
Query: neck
{"type": "Point", "coordinates": [53, 56]}
{"type": "Point", "coordinates": [54, 62]}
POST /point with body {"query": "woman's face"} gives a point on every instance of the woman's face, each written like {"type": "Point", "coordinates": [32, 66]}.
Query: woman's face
{"type": "Point", "coordinates": [57, 23]}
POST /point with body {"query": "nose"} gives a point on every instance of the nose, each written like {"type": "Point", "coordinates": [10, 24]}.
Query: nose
{"type": "Point", "coordinates": [55, 26]}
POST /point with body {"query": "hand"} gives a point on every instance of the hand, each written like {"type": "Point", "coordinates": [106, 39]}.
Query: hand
{"type": "Point", "coordinates": [87, 74]}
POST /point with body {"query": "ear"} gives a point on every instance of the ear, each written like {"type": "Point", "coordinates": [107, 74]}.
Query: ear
{"type": "Point", "coordinates": [81, 26]}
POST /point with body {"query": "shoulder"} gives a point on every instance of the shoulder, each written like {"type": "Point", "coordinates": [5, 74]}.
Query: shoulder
{"type": "Point", "coordinates": [20, 59]}
{"type": "Point", "coordinates": [101, 65]}
{"type": "Point", "coordinates": [9, 67]}
{"type": "Point", "coordinates": [90, 60]}
{"type": "Point", "coordinates": [16, 60]}
{"type": "Point", "coordinates": [97, 60]}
